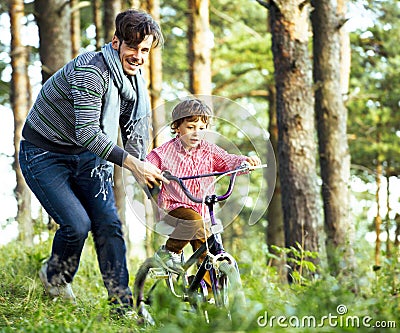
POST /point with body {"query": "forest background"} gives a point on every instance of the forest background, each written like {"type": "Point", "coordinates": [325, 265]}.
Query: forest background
{"type": "Point", "coordinates": [320, 77]}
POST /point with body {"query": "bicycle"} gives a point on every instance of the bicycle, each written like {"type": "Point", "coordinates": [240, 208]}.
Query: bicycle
{"type": "Point", "coordinates": [226, 285]}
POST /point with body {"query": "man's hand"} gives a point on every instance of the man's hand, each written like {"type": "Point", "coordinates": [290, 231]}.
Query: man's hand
{"type": "Point", "coordinates": [145, 173]}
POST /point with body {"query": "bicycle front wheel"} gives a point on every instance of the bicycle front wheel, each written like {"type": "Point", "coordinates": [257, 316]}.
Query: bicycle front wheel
{"type": "Point", "coordinates": [230, 293]}
{"type": "Point", "coordinates": [146, 281]}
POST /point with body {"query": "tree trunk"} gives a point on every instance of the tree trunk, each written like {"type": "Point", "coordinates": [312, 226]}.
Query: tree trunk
{"type": "Point", "coordinates": [397, 231]}
{"type": "Point", "coordinates": [75, 27]}
{"type": "Point", "coordinates": [20, 100]}
{"type": "Point", "coordinates": [134, 3]}
{"type": "Point", "coordinates": [275, 235]}
{"type": "Point", "coordinates": [345, 49]}
{"type": "Point", "coordinates": [54, 20]}
{"type": "Point", "coordinates": [289, 21]}
{"type": "Point", "coordinates": [111, 8]}
{"type": "Point", "coordinates": [157, 103]}
{"type": "Point", "coordinates": [96, 9]}
{"type": "Point", "coordinates": [388, 225]}
{"type": "Point", "coordinates": [199, 50]}
{"type": "Point", "coordinates": [334, 154]}
{"type": "Point", "coordinates": [378, 218]}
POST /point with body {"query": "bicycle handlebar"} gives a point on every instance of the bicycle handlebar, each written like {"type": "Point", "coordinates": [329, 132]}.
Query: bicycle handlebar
{"type": "Point", "coordinates": [233, 173]}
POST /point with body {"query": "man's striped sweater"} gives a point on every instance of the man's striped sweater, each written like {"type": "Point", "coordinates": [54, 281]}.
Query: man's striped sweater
{"type": "Point", "coordinates": [66, 116]}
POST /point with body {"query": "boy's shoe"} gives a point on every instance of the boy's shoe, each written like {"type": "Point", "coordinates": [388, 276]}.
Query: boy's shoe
{"type": "Point", "coordinates": [63, 291]}
{"type": "Point", "coordinates": [171, 261]}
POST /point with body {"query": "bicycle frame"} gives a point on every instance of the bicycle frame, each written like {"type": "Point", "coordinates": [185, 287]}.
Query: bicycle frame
{"type": "Point", "coordinates": [208, 264]}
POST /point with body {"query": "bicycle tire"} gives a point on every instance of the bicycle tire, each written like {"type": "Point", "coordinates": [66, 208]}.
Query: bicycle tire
{"type": "Point", "coordinates": [142, 291]}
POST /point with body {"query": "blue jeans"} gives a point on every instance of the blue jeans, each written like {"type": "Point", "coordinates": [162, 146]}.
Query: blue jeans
{"type": "Point", "coordinates": [66, 189]}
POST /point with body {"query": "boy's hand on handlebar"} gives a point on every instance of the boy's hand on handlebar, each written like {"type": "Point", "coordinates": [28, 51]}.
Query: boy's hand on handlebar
{"type": "Point", "coordinates": [253, 160]}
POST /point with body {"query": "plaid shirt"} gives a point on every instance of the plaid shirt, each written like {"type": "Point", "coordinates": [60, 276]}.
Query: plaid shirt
{"type": "Point", "coordinates": [205, 158]}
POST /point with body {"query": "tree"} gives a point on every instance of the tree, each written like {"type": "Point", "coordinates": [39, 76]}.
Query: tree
{"type": "Point", "coordinates": [133, 3]}
{"type": "Point", "coordinates": [199, 50]}
{"type": "Point", "coordinates": [289, 22]}
{"type": "Point", "coordinates": [156, 78]}
{"type": "Point", "coordinates": [96, 10]}
{"type": "Point", "coordinates": [331, 117]}
{"type": "Point", "coordinates": [54, 20]}
{"type": "Point", "coordinates": [373, 105]}
{"type": "Point", "coordinates": [275, 228]}
{"type": "Point", "coordinates": [345, 50]}
{"type": "Point", "coordinates": [110, 10]}
{"type": "Point", "coordinates": [20, 98]}
{"type": "Point", "coordinates": [75, 27]}
{"type": "Point", "coordinates": [242, 67]}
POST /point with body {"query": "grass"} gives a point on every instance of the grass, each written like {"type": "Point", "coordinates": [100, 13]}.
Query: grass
{"type": "Point", "coordinates": [271, 304]}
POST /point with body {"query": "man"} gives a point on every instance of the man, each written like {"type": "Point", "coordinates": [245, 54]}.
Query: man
{"type": "Point", "coordinates": [69, 148]}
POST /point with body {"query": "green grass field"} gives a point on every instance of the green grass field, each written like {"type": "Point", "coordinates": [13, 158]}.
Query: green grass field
{"type": "Point", "coordinates": [321, 304]}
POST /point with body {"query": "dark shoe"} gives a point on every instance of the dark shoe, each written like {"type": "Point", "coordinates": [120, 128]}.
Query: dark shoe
{"type": "Point", "coordinates": [122, 308]}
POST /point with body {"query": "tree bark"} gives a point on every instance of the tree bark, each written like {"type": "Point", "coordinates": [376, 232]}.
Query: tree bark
{"type": "Point", "coordinates": [54, 20]}
{"type": "Point", "coordinates": [20, 98]}
{"type": "Point", "coordinates": [75, 27]}
{"type": "Point", "coordinates": [388, 224]}
{"type": "Point", "coordinates": [96, 9]}
{"type": "Point", "coordinates": [334, 154]}
{"type": "Point", "coordinates": [275, 231]}
{"type": "Point", "coordinates": [378, 218]}
{"type": "Point", "coordinates": [156, 78]}
{"type": "Point", "coordinates": [397, 231]}
{"type": "Point", "coordinates": [199, 47]}
{"type": "Point", "coordinates": [111, 8]}
{"type": "Point", "coordinates": [289, 21]}
{"type": "Point", "coordinates": [134, 3]}
{"type": "Point", "coordinates": [345, 49]}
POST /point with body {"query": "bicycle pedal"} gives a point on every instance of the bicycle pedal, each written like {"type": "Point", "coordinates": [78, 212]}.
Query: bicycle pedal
{"type": "Point", "coordinates": [158, 273]}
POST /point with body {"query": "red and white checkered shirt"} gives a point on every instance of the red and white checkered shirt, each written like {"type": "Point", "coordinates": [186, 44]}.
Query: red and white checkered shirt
{"type": "Point", "coordinates": [205, 158]}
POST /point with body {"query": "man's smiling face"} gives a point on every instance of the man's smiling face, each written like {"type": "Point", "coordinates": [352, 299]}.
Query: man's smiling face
{"type": "Point", "coordinates": [132, 58]}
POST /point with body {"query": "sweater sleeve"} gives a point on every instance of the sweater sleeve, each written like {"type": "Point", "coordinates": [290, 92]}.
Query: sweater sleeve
{"type": "Point", "coordinates": [88, 87]}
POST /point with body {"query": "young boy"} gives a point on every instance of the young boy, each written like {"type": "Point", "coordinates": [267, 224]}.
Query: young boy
{"type": "Point", "coordinates": [185, 155]}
